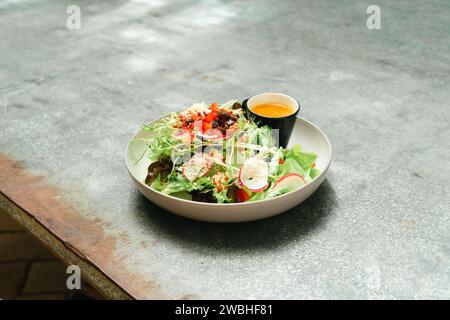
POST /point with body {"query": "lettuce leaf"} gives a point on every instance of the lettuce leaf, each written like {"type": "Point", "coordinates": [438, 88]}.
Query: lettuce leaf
{"type": "Point", "coordinates": [269, 193]}
{"type": "Point", "coordinates": [304, 159]}
{"type": "Point", "coordinates": [290, 165]}
{"type": "Point", "coordinates": [314, 173]}
{"type": "Point", "coordinates": [172, 186]}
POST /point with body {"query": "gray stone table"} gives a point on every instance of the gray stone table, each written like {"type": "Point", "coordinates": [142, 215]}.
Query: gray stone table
{"type": "Point", "coordinates": [70, 99]}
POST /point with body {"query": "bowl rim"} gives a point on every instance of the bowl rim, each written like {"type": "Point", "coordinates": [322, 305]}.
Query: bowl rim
{"type": "Point", "coordinates": [234, 204]}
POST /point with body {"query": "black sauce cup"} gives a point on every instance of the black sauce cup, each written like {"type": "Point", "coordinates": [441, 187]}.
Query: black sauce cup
{"type": "Point", "coordinates": [282, 126]}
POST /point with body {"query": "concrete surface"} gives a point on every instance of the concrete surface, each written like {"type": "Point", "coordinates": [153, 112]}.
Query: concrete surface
{"type": "Point", "coordinates": [377, 228]}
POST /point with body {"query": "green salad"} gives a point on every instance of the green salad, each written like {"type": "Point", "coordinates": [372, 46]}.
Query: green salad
{"type": "Point", "coordinates": [213, 153]}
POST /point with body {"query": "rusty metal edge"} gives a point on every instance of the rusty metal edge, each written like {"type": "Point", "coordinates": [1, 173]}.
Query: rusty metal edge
{"type": "Point", "coordinates": [90, 273]}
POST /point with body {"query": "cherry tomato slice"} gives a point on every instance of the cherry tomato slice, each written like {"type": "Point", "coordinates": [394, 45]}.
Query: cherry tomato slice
{"type": "Point", "coordinates": [242, 195]}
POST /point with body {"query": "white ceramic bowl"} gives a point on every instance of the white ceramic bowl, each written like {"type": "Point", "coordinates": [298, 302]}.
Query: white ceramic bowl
{"type": "Point", "coordinates": [305, 133]}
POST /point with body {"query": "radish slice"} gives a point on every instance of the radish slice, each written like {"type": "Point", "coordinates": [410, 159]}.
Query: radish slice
{"type": "Point", "coordinates": [211, 135]}
{"type": "Point", "coordinates": [216, 135]}
{"type": "Point", "coordinates": [254, 174]}
{"type": "Point", "coordinates": [290, 181]}
{"type": "Point", "coordinates": [196, 167]}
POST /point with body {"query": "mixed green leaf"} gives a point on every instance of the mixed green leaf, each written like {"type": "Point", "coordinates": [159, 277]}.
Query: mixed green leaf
{"type": "Point", "coordinates": [199, 155]}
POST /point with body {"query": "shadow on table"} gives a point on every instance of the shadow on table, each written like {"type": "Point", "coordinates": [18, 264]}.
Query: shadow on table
{"type": "Point", "coordinates": [264, 234]}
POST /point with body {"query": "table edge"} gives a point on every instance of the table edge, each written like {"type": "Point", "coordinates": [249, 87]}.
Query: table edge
{"type": "Point", "coordinates": [90, 273]}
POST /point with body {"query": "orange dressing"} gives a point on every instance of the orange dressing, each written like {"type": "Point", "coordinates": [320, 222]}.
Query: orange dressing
{"type": "Point", "coordinates": [273, 110]}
